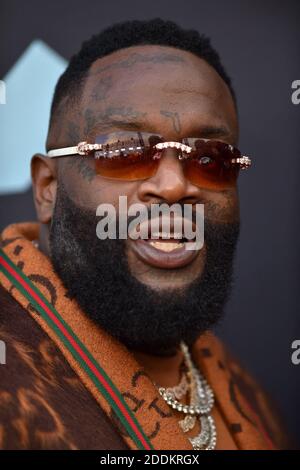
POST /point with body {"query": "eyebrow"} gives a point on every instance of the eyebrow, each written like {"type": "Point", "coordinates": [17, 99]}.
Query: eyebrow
{"type": "Point", "coordinates": [213, 131]}
{"type": "Point", "coordinates": [126, 125]}
{"type": "Point", "coordinates": [200, 131]}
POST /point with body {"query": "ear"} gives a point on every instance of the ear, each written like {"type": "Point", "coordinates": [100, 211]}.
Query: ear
{"type": "Point", "coordinates": [44, 182]}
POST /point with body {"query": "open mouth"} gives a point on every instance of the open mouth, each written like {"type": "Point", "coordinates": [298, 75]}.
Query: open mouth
{"type": "Point", "coordinates": [163, 249]}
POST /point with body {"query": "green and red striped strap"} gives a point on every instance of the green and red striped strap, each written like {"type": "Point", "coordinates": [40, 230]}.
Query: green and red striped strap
{"type": "Point", "coordinates": [80, 353]}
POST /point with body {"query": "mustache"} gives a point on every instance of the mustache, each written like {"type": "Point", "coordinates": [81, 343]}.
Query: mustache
{"type": "Point", "coordinates": [68, 211]}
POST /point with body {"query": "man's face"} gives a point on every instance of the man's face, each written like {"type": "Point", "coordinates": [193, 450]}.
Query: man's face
{"type": "Point", "coordinates": [151, 89]}
{"type": "Point", "coordinates": [174, 94]}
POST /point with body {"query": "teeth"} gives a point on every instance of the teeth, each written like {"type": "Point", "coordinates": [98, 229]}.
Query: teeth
{"type": "Point", "coordinates": [169, 246]}
{"type": "Point", "coordinates": [166, 235]}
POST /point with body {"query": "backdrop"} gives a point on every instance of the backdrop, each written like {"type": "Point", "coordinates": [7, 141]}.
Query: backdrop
{"type": "Point", "coordinates": [259, 42]}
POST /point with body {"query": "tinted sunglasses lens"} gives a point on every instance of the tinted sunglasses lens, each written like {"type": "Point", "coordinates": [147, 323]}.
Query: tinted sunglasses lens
{"type": "Point", "coordinates": [209, 164]}
{"type": "Point", "coordinates": [127, 155]}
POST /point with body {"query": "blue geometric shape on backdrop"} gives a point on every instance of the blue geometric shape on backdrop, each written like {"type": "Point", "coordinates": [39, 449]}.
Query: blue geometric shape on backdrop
{"type": "Point", "coordinates": [24, 118]}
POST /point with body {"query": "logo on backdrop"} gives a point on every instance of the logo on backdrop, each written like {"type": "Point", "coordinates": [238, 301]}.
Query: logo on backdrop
{"type": "Point", "coordinates": [26, 90]}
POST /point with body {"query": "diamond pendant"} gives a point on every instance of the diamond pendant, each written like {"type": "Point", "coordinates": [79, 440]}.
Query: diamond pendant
{"type": "Point", "coordinates": [207, 438]}
{"type": "Point", "coordinates": [187, 423]}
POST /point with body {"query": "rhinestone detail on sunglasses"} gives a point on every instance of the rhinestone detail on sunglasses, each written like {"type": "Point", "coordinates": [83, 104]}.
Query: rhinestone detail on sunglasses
{"type": "Point", "coordinates": [84, 148]}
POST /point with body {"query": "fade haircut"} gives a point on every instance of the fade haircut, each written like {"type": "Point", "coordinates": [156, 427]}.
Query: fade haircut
{"type": "Point", "coordinates": [127, 34]}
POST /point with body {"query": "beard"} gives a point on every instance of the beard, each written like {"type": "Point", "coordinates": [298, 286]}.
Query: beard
{"type": "Point", "coordinates": [96, 274]}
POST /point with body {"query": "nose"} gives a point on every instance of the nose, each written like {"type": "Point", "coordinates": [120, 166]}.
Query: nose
{"type": "Point", "coordinates": [169, 183]}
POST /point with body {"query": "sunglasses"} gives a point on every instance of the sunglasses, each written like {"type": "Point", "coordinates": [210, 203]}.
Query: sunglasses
{"type": "Point", "coordinates": [130, 156]}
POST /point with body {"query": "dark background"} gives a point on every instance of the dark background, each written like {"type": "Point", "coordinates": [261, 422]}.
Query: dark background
{"type": "Point", "coordinates": [259, 43]}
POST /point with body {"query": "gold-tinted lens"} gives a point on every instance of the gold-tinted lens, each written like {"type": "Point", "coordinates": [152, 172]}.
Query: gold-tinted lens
{"type": "Point", "coordinates": [210, 164]}
{"type": "Point", "coordinates": [127, 155]}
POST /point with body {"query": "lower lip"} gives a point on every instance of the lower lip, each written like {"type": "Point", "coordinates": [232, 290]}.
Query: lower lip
{"type": "Point", "coordinates": [160, 259]}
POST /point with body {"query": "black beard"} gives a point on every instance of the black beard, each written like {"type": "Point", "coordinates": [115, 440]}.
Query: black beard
{"type": "Point", "coordinates": [96, 273]}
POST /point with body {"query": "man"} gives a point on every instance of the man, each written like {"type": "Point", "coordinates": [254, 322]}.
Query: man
{"type": "Point", "coordinates": [108, 343]}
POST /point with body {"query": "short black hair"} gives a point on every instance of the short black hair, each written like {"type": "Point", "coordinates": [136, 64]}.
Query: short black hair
{"type": "Point", "coordinates": [133, 33]}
